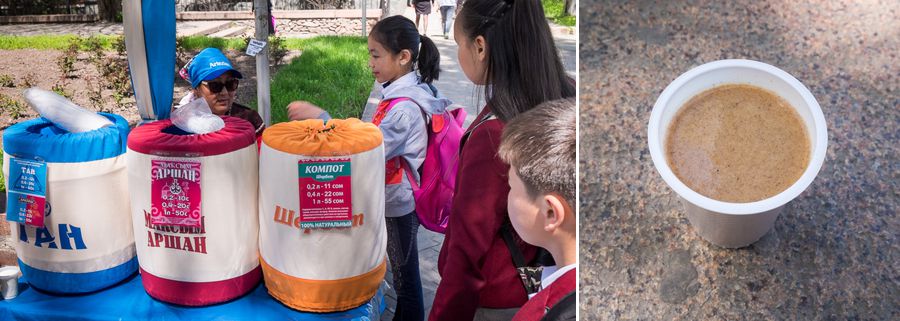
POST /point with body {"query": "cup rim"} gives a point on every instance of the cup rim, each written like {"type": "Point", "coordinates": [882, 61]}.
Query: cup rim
{"type": "Point", "coordinates": [4, 272]}
{"type": "Point", "coordinates": [659, 159]}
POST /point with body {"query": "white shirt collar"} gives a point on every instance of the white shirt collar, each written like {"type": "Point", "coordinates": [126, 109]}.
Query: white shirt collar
{"type": "Point", "coordinates": [551, 273]}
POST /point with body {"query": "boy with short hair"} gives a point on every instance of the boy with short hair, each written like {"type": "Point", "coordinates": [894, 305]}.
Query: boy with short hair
{"type": "Point", "coordinates": [540, 146]}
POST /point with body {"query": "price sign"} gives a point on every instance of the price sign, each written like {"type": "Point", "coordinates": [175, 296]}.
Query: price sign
{"type": "Point", "coordinates": [27, 195]}
{"type": "Point", "coordinates": [255, 46]}
{"type": "Point", "coordinates": [325, 193]}
{"type": "Point", "coordinates": [175, 195]}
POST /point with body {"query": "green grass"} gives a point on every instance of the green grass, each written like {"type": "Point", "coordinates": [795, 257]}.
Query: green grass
{"type": "Point", "coordinates": [332, 73]}
{"type": "Point", "coordinates": [200, 42]}
{"type": "Point", "coordinates": [58, 42]}
{"type": "Point", "coordinates": [555, 11]}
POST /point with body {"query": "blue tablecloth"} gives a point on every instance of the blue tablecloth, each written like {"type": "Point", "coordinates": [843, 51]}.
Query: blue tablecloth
{"type": "Point", "coordinates": [128, 301]}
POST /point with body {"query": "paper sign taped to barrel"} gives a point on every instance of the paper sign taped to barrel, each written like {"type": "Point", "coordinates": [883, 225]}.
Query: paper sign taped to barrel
{"type": "Point", "coordinates": [175, 195]}
{"type": "Point", "coordinates": [325, 200]}
{"type": "Point", "coordinates": [27, 191]}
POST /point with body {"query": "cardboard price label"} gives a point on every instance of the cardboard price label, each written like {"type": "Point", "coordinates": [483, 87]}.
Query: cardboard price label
{"type": "Point", "coordinates": [27, 195]}
{"type": "Point", "coordinates": [175, 195]}
{"type": "Point", "coordinates": [325, 199]}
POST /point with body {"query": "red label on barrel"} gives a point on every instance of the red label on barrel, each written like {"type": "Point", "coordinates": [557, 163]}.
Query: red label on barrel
{"type": "Point", "coordinates": [175, 195]}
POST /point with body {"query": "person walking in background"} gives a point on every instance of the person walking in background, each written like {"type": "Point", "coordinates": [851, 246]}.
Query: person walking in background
{"type": "Point", "coordinates": [448, 9]}
{"type": "Point", "coordinates": [423, 9]}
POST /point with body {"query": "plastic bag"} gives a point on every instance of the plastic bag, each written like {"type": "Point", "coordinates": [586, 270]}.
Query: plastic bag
{"type": "Point", "coordinates": [63, 113]}
{"type": "Point", "coordinates": [196, 117]}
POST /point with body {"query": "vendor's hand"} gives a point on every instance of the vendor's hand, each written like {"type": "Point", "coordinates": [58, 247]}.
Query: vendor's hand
{"type": "Point", "coordinates": [301, 110]}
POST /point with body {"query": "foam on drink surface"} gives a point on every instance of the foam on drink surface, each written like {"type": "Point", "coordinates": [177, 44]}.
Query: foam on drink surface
{"type": "Point", "coordinates": [737, 143]}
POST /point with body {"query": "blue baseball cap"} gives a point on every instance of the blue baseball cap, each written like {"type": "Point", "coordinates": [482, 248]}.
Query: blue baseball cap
{"type": "Point", "coordinates": [207, 65]}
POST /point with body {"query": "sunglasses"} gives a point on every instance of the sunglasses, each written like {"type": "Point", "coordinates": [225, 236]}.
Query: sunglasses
{"type": "Point", "coordinates": [215, 86]}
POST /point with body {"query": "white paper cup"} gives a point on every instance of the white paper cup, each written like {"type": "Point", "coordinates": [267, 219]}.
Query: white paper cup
{"type": "Point", "coordinates": [726, 224]}
{"type": "Point", "coordinates": [9, 281]}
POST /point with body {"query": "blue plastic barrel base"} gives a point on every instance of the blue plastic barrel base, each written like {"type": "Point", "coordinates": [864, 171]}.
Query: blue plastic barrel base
{"type": "Point", "coordinates": [78, 282]}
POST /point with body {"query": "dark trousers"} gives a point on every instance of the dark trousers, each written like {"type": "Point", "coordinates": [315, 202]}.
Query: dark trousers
{"type": "Point", "coordinates": [403, 253]}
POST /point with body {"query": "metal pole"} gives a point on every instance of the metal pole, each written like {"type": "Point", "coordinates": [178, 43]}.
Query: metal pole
{"type": "Point", "coordinates": [363, 17]}
{"type": "Point", "coordinates": [262, 61]}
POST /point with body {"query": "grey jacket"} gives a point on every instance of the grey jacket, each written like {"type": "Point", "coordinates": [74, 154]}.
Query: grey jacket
{"type": "Point", "coordinates": [403, 128]}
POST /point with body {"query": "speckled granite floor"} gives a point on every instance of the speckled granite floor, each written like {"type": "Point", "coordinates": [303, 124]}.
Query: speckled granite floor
{"type": "Point", "coordinates": [834, 253]}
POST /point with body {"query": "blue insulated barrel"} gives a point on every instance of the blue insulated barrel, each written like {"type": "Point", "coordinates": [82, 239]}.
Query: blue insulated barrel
{"type": "Point", "coordinates": [85, 241]}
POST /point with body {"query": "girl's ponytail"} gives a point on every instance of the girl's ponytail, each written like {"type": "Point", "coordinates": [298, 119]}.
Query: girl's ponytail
{"type": "Point", "coordinates": [429, 61]}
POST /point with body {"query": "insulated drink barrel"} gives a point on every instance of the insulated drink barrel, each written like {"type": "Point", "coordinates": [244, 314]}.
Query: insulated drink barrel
{"type": "Point", "coordinates": [85, 243]}
{"type": "Point", "coordinates": [194, 251]}
{"type": "Point", "coordinates": [321, 214]}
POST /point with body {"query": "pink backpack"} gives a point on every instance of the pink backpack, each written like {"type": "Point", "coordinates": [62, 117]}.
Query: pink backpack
{"type": "Point", "coordinates": [438, 173]}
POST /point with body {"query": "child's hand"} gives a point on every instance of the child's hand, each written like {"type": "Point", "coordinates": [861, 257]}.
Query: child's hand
{"type": "Point", "coordinates": [300, 110]}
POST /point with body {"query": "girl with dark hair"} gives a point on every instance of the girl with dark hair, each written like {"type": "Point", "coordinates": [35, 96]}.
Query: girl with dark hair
{"type": "Point", "coordinates": [405, 63]}
{"type": "Point", "coordinates": [505, 46]}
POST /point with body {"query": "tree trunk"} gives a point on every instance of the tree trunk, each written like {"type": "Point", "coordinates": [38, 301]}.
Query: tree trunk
{"type": "Point", "coordinates": [110, 9]}
{"type": "Point", "coordinates": [570, 7]}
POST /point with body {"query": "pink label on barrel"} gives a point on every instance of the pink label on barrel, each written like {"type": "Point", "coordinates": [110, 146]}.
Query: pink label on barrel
{"type": "Point", "coordinates": [175, 195]}
{"type": "Point", "coordinates": [325, 200]}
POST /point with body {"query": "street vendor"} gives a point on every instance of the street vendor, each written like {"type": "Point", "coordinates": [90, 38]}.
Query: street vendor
{"type": "Point", "coordinates": [213, 78]}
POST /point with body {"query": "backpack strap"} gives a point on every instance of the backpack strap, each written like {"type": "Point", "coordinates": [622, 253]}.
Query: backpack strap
{"type": "Point", "coordinates": [517, 256]}
{"type": "Point", "coordinates": [409, 177]}
{"type": "Point", "coordinates": [530, 276]}
{"type": "Point", "coordinates": [384, 107]}
{"type": "Point", "coordinates": [405, 165]}
{"type": "Point", "coordinates": [488, 116]}
{"type": "Point", "coordinates": [563, 310]}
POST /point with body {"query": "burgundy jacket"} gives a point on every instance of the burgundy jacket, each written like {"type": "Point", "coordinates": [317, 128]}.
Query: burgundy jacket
{"type": "Point", "coordinates": [475, 265]}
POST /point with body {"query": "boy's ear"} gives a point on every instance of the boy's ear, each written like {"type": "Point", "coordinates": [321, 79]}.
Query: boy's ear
{"type": "Point", "coordinates": [554, 210]}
